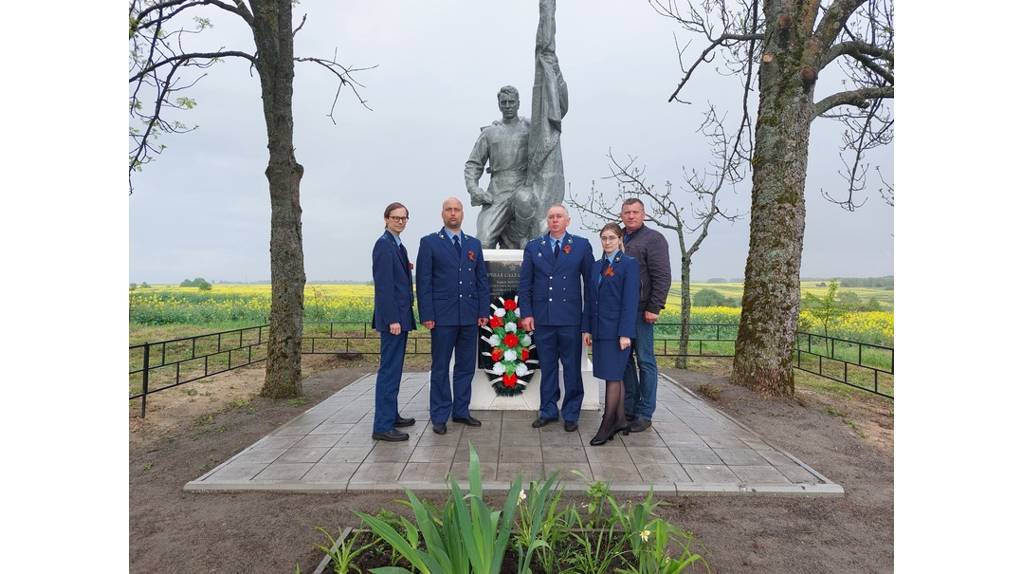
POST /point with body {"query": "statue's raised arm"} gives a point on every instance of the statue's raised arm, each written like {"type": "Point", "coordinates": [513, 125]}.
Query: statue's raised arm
{"type": "Point", "coordinates": [550, 103]}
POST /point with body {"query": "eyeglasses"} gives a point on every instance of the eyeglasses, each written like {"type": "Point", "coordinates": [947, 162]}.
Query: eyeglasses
{"type": "Point", "coordinates": [398, 218]}
{"type": "Point", "coordinates": [607, 238]}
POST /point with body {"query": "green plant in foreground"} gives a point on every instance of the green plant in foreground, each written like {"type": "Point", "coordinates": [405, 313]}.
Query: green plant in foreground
{"type": "Point", "coordinates": [538, 523]}
{"type": "Point", "coordinates": [345, 553]}
{"type": "Point", "coordinates": [466, 536]}
{"type": "Point", "coordinates": [655, 555]}
{"type": "Point", "coordinates": [596, 553]}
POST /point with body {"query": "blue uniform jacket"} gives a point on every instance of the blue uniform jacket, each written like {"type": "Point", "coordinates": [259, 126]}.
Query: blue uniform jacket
{"type": "Point", "coordinates": [451, 290]}
{"type": "Point", "coordinates": [614, 300]}
{"type": "Point", "coordinates": [392, 285]}
{"type": "Point", "coordinates": [549, 287]}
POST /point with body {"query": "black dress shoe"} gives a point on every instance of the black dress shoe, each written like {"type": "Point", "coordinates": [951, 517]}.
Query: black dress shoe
{"type": "Point", "coordinates": [599, 439]}
{"type": "Point", "coordinates": [400, 422]}
{"type": "Point", "coordinates": [440, 428]}
{"type": "Point", "coordinates": [391, 436]}
{"type": "Point", "coordinates": [469, 420]}
{"type": "Point", "coordinates": [571, 426]}
{"type": "Point", "coordinates": [639, 425]}
{"type": "Point", "coordinates": [541, 421]}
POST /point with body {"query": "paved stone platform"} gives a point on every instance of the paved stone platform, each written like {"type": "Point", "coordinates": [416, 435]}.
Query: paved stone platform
{"type": "Point", "coordinates": [692, 448]}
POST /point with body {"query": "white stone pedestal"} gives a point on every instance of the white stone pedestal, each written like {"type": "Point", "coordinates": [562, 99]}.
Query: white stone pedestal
{"type": "Point", "coordinates": [485, 399]}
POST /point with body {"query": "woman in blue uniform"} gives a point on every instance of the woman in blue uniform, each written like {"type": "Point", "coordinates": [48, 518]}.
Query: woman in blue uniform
{"type": "Point", "coordinates": [609, 323]}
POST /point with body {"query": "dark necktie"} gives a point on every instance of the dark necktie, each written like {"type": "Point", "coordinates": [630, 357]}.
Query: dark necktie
{"type": "Point", "coordinates": [458, 246]}
{"type": "Point", "coordinates": [405, 257]}
{"type": "Point", "coordinates": [558, 244]}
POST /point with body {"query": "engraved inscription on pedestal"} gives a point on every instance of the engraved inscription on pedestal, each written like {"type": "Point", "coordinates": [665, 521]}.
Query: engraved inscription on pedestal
{"type": "Point", "coordinates": [504, 277]}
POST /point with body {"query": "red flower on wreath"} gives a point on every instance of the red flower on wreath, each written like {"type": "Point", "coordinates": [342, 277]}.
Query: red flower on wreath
{"type": "Point", "coordinates": [509, 380]}
{"type": "Point", "coordinates": [496, 354]}
{"type": "Point", "coordinates": [525, 355]}
{"type": "Point", "coordinates": [511, 340]}
{"type": "Point", "coordinates": [471, 255]}
{"type": "Point", "coordinates": [496, 322]}
{"type": "Point", "coordinates": [510, 304]}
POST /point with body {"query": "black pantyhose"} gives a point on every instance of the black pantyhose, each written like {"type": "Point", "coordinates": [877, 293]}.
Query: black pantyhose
{"type": "Point", "coordinates": [614, 408]}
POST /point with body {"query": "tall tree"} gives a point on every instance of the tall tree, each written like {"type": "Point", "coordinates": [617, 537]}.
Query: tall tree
{"type": "Point", "coordinates": [161, 68]}
{"type": "Point", "coordinates": [785, 45]}
{"type": "Point", "coordinates": [689, 220]}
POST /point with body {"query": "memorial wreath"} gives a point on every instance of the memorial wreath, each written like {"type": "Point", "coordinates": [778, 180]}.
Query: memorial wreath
{"type": "Point", "coordinates": [509, 348]}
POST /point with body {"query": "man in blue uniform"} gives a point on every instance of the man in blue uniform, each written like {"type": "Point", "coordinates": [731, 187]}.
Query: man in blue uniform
{"type": "Point", "coordinates": [392, 318]}
{"type": "Point", "coordinates": [454, 299]}
{"type": "Point", "coordinates": [551, 280]}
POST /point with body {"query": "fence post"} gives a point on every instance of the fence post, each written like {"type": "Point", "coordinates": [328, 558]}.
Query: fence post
{"type": "Point", "coordinates": [145, 376]}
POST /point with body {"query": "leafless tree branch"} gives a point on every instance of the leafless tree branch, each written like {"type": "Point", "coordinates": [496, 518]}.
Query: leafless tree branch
{"type": "Point", "coordinates": [159, 62]}
{"type": "Point", "coordinates": [344, 75]}
{"type": "Point", "coordinates": [857, 33]}
{"type": "Point", "coordinates": [860, 98]}
{"type": "Point", "coordinates": [301, 24]}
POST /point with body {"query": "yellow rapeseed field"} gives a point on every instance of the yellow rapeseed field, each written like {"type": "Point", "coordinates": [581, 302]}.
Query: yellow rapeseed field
{"type": "Point", "coordinates": [229, 302]}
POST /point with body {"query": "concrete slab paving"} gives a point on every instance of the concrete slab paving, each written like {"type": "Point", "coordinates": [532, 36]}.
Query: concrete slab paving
{"type": "Point", "coordinates": [691, 449]}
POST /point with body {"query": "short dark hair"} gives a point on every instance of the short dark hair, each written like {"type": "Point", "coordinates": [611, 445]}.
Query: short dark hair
{"type": "Point", "coordinates": [614, 227]}
{"type": "Point", "coordinates": [632, 201]}
{"type": "Point", "coordinates": [393, 206]}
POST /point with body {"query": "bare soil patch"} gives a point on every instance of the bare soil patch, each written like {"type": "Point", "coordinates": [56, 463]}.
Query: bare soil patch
{"type": "Point", "coordinates": [846, 436]}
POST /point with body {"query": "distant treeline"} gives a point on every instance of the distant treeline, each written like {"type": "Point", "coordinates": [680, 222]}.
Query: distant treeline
{"type": "Point", "coordinates": [874, 282]}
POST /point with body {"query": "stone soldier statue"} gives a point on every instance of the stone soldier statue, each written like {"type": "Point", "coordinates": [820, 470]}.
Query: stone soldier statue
{"type": "Point", "coordinates": [525, 156]}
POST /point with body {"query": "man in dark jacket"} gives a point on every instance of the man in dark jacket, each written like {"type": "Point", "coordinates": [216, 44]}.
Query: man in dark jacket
{"type": "Point", "coordinates": [392, 318]}
{"type": "Point", "coordinates": [651, 250]}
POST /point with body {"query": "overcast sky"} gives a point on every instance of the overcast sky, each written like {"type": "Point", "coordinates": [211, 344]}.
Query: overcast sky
{"type": "Point", "coordinates": [203, 208]}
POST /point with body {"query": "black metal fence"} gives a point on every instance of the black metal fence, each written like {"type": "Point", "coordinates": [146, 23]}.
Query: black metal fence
{"type": "Point", "coordinates": [866, 366]}
{"type": "Point", "coordinates": [155, 367]}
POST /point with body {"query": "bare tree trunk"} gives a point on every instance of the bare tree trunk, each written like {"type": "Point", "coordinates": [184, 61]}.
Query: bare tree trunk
{"type": "Point", "coordinates": [684, 310]}
{"type": "Point", "coordinates": [771, 288]}
{"type": "Point", "coordinates": [273, 35]}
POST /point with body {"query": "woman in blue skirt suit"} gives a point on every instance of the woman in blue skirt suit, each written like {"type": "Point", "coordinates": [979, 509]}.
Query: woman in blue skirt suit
{"type": "Point", "coordinates": [609, 322]}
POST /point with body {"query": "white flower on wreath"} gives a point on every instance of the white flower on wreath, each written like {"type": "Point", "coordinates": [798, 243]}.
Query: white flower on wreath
{"type": "Point", "coordinates": [521, 369]}
{"type": "Point", "coordinates": [500, 312]}
{"type": "Point", "coordinates": [494, 340]}
{"type": "Point", "coordinates": [510, 327]}
{"type": "Point", "coordinates": [525, 341]}
{"type": "Point", "coordinates": [498, 369]}
{"type": "Point", "coordinates": [510, 355]}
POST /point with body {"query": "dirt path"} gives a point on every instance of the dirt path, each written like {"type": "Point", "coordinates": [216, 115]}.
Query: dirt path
{"type": "Point", "coordinates": [848, 438]}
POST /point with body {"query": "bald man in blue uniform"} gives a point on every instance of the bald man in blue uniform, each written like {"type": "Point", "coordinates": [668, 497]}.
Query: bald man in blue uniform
{"type": "Point", "coordinates": [551, 280]}
{"type": "Point", "coordinates": [454, 297]}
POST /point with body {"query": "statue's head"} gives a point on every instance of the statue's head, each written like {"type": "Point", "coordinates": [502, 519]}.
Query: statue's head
{"type": "Point", "coordinates": [508, 102]}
